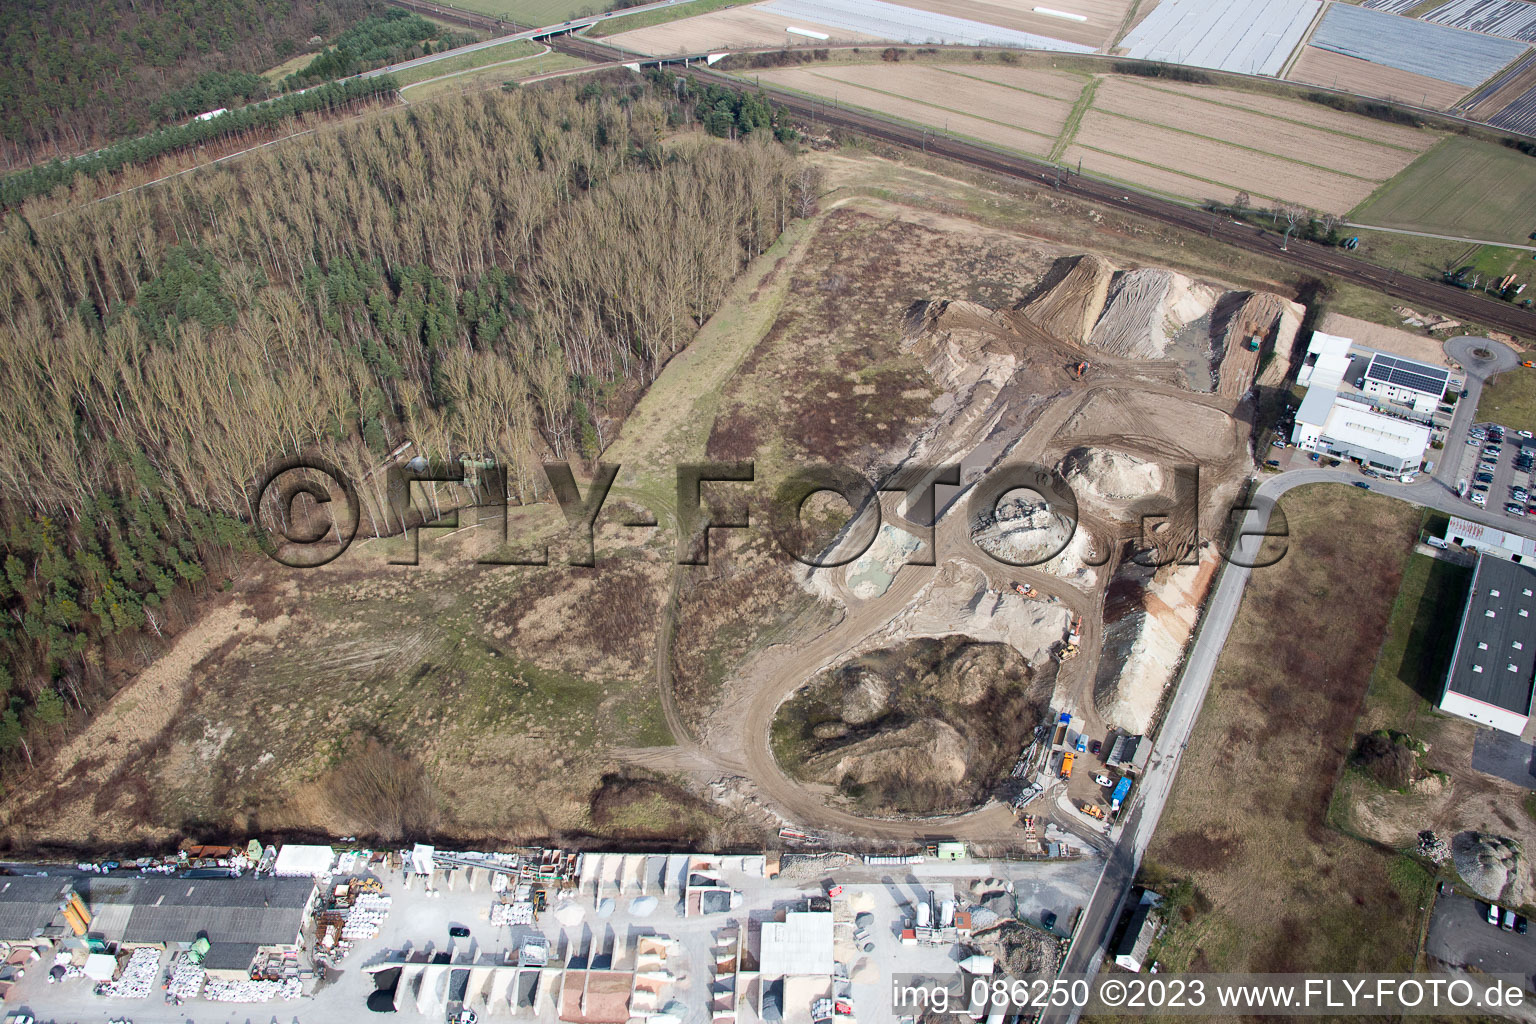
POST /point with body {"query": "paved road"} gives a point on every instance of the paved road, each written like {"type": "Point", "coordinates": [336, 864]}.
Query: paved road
{"type": "Point", "coordinates": [1429, 234]}
{"type": "Point", "coordinates": [1460, 935]}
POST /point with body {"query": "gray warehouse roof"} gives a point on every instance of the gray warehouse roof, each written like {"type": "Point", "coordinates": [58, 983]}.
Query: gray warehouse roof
{"type": "Point", "coordinates": [1495, 660]}
{"type": "Point", "coordinates": [262, 911]}
{"type": "Point", "coordinates": [28, 903]}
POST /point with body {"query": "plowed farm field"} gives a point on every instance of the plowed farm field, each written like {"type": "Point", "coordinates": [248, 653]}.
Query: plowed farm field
{"type": "Point", "coordinates": [1193, 142]}
{"type": "Point", "coordinates": [1335, 70]}
{"type": "Point", "coordinates": [923, 95]}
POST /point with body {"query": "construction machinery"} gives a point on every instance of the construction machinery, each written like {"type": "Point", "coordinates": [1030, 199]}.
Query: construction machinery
{"type": "Point", "coordinates": [1066, 652]}
{"type": "Point", "coordinates": [1024, 589]}
{"type": "Point", "coordinates": [1092, 810]}
{"type": "Point", "coordinates": [1066, 765]}
{"type": "Point", "coordinates": [1527, 362]}
{"type": "Point", "coordinates": [1081, 369]}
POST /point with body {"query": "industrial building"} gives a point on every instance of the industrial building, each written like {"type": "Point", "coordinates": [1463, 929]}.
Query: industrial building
{"type": "Point", "coordinates": [238, 917]}
{"type": "Point", "coordinates": [1494, 664]}
{"type": "Point", "coordinates": [1326, 361]}
{"type": "Point", "coordinates": [1348, 428]}
{"type": "Point", "coordinates": [1488, 540]}
{"type": "Point", "coordinates": [1419, 386]}
{"type": "Point", "coordinates": [1140, 933]}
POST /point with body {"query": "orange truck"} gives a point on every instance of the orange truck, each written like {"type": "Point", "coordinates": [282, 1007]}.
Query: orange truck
{"type": "Point", "coordinates": [1066, 765]}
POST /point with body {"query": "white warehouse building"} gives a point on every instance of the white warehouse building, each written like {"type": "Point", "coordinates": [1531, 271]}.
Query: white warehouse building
{"type": "Point", "coordinates": [1351, 429]}
{"type": "Point", "coordinates": [1326, 362]}
{"type": "Point", "coordinates": [1406, 382]}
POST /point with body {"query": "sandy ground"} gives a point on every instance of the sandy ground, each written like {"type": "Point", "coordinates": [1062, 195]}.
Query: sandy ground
{"type": "Point", "coordinates": [735, 28]}
{"type": "Point", "coordinates": [1104, 17]}
{"type": "Point", "coordinates": [1324, 67]}
{"type": "Point", "coordinates": [1387, 339]}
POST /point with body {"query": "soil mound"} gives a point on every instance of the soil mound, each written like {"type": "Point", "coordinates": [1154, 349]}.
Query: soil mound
{"type": "Point", "coordinates": [1069, 308]}
{"type": "Point", "coordinates": [1108, 475]}
{"type": "Point", "coordinates": [925, 727]}
{"type": "Point", "coordinates": [1492, 866]}
{"type": "Point", "coordinates": [1146, 308]}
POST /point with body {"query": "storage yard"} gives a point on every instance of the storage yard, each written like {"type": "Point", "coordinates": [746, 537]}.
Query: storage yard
{"type": "Point", "coordinates": [546, 934]}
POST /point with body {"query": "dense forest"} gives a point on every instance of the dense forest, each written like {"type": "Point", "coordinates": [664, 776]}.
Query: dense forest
{"type": "Point", "coordinates": [379, 39]}
{"type": "Point", "coordinates": [77, 73]}
{"type": "Point", "coordinates": [476, 274]}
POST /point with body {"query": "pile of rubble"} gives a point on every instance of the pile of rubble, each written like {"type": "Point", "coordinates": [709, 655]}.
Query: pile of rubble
{"type": "Point", "coordinates": [367, 917]}
{"type": "Point", "coordinates": [138, 977]}
{"type": "Point", "coordinates": [186, 979]}
{"type": "Point", "coordinates": [1432, 847]}
{"type": "Point", "coordinates": [252, 991]}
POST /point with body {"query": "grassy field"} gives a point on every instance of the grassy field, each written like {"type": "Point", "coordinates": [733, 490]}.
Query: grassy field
{"type": "Point", "coordinates": [490, 77]}
{"type": "Point", "coordinates": [534, 12]}
{"type": "Point", "coordinates": [1510, 400]}
{"type": "Point", "coordinates": [514, 50]}
{"type": "Point", "coordinates": [1417, 652]}
{"type": "Point", "coordinates": [657, 17]}
{"type": "Point", "coordinates": [1460, 187]}
{"type": "Point", "coordinates": [1271, 887]}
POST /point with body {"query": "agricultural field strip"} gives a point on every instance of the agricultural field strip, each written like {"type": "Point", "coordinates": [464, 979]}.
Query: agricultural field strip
{"type": "Point", "coordinates": [1317, 66]}
{"type": "Point", "coordinates": [936, 106]}
{"type": "Point", "coordinates": [1074, 119]}
{"type": "Point", "coordinates": [917, 117]}
{"type": "Point", "coordinates": [1509, 19]}
{"type": "Point", "coordinates": [1109, 108]}
{"type": "Point", "coordinates": [1518, 115]}
{"type": "Point", "coordinates": [1016, 88]}
{"type": "Point", "coordinates": [1499, 81]}
{"type": "Point", "coordinates": [1392, 6]}
{"type": "Point", "coordinates": [1162, 180]}
{"type": "Point", "coordinates": [909, 24]}
{"type": "Point", "coordinates": [1186, 153]}
{"type": "Point", "coordinates": [1314, 126]}
{"type": "Point", "coordinates": [1102, 17]}
{"type": "Point", "coordinates": [1434, 51]}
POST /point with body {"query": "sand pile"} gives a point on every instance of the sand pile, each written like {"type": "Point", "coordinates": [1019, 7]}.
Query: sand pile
{"type": "Point", "coordinates": [960, 344]}
{"type": "Point", "coordinates": [1110, 476]}
{"type": "Point", "coordinates": [1492, 866]}
{"type": "Point", "coordinates": [1146, 308]}
{"type": "Point", "coordinates": [962, 604]}
{"type": "Point", "coordinates": [1069, 308]}
{"type": "Point", "coordinates": [1149, 616]}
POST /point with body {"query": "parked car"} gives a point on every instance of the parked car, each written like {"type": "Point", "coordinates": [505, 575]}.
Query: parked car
{"type": "Point", "coordinates": [1048, 919]}
{"type": "Point", "coordinates": [1493, 914]}
{"type": "Point", "coordinates": [1272, 463]}
{"type": "Point", "coordinates": [1478, 499]}
{"type": "Point", "coordinates": [1095, 747]}
{"type": "Point", "coordinates": [1509, 920]}
{"type": "Point", "coordinates": [1526, 433]}
{"type": "Point", "coordinates": [1521, 924]}
{"type": "Point", "coordinates": [1278, 443]}
{"type": "Point", "coordinates": [1514, 510]}
{"type": "Point", "coordinates": [458, 931]}
{"type": "Point", "coordinates": [1314, 456]}
{"type": "Point", "coordinates": [1362, 485]}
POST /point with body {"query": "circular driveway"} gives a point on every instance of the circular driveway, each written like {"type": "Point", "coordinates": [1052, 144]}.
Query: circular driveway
{"type": "Point", "coordinates": [1467, 349]}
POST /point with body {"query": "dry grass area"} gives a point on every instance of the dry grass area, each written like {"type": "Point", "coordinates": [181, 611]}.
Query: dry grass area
{"type": "Point", "coordinates": [1056, 85]}
{"type": "Point", "coordinates": [1324, 67]}
{"type": "Point", "coordinates": [1387, 339]}
{"type": "Point", "coordinates": [1274, 888]}
{"type": "Point", "coordinates": [1104, 17]}
{"type": "Point", "coordinates": [924, 95]}
{"type": "Point", "coordinates": [1226, 168]}
{"type": "Point", "coordinates": [1445, 793]}
{"type": "Point", "coordinates": [735, 28]}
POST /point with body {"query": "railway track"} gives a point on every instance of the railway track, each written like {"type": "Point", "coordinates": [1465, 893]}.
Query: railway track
{"type": "Point", "coordinates": [1317, 259]}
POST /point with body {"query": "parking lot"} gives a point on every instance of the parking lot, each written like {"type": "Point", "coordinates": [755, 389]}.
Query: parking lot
{"type": "Point", "coordinates": [1495, 465]}
{"type": "Point", "coordinates": [1460, 935]}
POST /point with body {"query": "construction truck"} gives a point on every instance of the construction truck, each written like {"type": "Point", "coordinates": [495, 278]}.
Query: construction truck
{"type": "Point", "coordinates": [1081, 369]}
{"type": "Point", "coordinates": [1023, 589]}
{"type": "Point", "coordinates": [1252, 344]}
{"type": "Point", "coordinates": [1066, 652]}
{"type": "Point", "coordinates": [1066, 765]}
{"type": "Point", "coordinates": [1092, 810]}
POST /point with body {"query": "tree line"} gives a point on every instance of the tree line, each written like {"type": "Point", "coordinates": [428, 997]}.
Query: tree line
{"type": "Point", "coordinates": [377, 40]}
{"type": "Point", "coordinates": [75, 74]}
{"type": "Point", "coordinates": [478, 274]}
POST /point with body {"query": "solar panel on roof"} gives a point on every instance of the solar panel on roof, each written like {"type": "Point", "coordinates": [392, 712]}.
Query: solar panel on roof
{"type": "Point", "coordinates": [1405, 373]}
